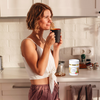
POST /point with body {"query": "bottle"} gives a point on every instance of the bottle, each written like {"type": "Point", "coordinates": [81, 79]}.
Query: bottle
{"type": "Point", "coordinates": [83, 58]}
{"type": "Point", "coordinates": [60, 70]}
{"type": "Point", "coordinates": [88, 60]}
{"type": "Point", "coordinates": [96, 66]}
{"type": "Point", "coordinates": [89, 64]}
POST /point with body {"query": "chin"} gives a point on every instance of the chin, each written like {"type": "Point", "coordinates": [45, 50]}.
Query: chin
{"type": "Point", "coordinates": [48, 28]}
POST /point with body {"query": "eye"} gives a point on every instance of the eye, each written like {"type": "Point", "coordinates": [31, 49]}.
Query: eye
{"type": "Point", "coordinates": [46, 16]}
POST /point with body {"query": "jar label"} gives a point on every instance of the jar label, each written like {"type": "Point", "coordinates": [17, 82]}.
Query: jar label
{"type": "Point", "coordinates": [74, 70]}
{"type": "Point", "coordinates": [74, 64]}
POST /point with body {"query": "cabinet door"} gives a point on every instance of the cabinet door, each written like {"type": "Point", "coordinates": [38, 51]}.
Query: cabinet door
{"type": "Point", "coordinates": [65, 92]}
{"type": "Point", "coordinates": [15, 7]}
{"type": "Point", "coordinates": [36, 1]}
{"type": "Point", "coordinates": [15, 91]}
{"type": "Point", "coordinates": [0, 93]}
{"type": "Point", "coordinates": [95, 94]}
{"type": "Point", "coordinates": [15, 98]}
{"type": "Point", "coordinates": [98, 7]}
{"type": "Point", "coordinates": [72, 7]}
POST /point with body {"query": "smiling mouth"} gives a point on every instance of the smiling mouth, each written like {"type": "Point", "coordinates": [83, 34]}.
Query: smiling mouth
{"type": "Point", "coordinates": [48, 25]}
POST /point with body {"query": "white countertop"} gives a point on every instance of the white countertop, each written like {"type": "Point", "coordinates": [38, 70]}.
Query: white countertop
{"type": "Point", "coordinates": [20, 75]}
{"type": "Point", "coordinates": [14, 75]}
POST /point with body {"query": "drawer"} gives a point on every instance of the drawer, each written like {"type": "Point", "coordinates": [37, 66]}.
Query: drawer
{"type": "Point", "coordinates": [15, 89]}
{"type": "Point", "coordinates": [0, 92]}
{"type": "Point", "coordinates": [0, 86]}
{"type": "Point", "coordinates": [16, 92]}
{"type": "Point", "coordinates": [15, 98]}
{"type": "Point", "coordinates": [15, 86]}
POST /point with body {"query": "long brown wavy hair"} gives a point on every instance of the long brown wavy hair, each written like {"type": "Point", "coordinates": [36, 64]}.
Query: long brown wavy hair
{"type": "Point", "coordinates": [34, 14]}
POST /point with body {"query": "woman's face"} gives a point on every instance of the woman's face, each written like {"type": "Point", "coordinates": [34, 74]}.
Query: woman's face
{"type": "Point", "coordinates": [45, 22]}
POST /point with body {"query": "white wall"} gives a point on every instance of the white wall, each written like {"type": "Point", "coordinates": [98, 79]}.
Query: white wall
{"type": "Point", "coordinates": [75, 32]}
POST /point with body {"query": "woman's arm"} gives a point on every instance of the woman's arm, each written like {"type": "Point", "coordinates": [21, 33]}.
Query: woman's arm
{"type": "Point", "coordinates": [56, 48]}
{"type": "Point", "coordinates": [56, 57]}
{"type": "Point", "coordinates": [38, 65]}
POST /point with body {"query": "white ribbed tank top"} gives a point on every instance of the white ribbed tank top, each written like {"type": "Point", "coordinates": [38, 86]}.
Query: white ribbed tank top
{"type": "Point", "coordinates": [49, 72]}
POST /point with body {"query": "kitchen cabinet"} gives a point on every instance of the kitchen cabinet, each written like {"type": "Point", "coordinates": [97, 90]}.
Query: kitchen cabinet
{"type": "Point", "coordinates": [74, 7]}
{"type": "Point", "coordinates": [36, 1]}
{"type": "Point", "coordinates": [19, 91]}
{"type": "Point", "coordinates": [0, 93]}
{"type": "Point", "coordinates": [15, 83]}
{"type": "Point", "coordinates": [16, 8]}
{"type": "Point", "coordinates": [19, 8]}
{"type": "Point", "coordinates": [98, 7]}
{"type": "Point", "coordinates": [13, 8]}
{"type": "Point", "coordinates": [65, 92]}
{"type": "Point", "coordinates": [15, 91]}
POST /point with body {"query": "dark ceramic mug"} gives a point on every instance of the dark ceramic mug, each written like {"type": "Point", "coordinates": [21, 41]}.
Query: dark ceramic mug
{"type": "Point", "coordinates": [57, 32]}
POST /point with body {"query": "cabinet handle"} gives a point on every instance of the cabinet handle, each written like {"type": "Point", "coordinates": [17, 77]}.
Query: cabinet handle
{"type": "Point", "coordinates": [99, 12]}
{"type": "Point", "coordinates": [20, 86]}
{"type": "Point", "coordinates": [93, 86]}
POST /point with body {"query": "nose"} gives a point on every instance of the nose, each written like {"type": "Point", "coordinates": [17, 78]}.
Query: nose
{"type": "Point", "coordinates": [50, 20]}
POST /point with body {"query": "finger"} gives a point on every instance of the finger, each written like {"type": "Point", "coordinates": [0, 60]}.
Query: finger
{"type": "Point", "coordinates": [52, 34]}
{"type": "Point", "coordinates": [60, 40]}
{"type": "Point", "coordinates": [60, 37]}
{"type": "Point", "coordinates": [53, 39]}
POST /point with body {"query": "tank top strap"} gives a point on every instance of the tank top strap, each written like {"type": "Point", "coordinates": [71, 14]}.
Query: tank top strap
{"type": "Point", "coordinates": [31, 40]}
{"type": "Point", "coordinates": [38, 47]}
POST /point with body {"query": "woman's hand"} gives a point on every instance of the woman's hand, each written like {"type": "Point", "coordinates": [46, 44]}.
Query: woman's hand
{"type": "Point", "coordinates": [50, 39]}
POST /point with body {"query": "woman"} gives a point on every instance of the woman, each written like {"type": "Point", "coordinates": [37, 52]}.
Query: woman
{"type": "Point", "coordinates": [40, 63]}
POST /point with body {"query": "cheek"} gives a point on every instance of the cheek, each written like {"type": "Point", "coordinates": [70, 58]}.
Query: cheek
{"type": "Point", "coordinates": [42, 23]}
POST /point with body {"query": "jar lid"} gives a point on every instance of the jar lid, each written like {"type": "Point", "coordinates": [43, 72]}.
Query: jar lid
{"type": "Point", "coordinates": [74, 61]}
{"type": "Point", "coordinates": [88, 59]}
{"type": "Point", "coordinates": [61, 62]}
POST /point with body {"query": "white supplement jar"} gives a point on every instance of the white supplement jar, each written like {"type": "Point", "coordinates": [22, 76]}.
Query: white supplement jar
{"type": "Point", "coordinates": [73, 67]}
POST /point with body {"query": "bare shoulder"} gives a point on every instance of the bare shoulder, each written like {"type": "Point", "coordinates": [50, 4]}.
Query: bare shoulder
{"type": "Point", "coordinates": [29, 53]}
{"type": "Point", "coordinates": [27, 45]}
